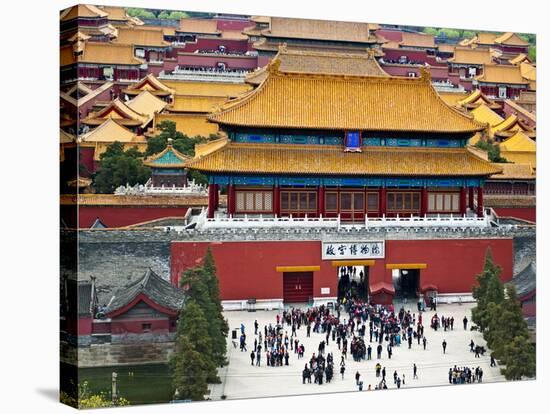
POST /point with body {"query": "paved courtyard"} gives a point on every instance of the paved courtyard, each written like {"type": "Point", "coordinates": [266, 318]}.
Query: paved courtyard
{"type": "Point", "coordinates": [241, 380]}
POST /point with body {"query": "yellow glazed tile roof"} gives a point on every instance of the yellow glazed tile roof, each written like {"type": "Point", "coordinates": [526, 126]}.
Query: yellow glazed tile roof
{"type": "Point", "coordinates": [486, 115]}
{"type": "Point", "coordinates": [522, 57]}
{"type": "Point", "coordinates": [81, 10]}
{"type": "Point", "coordinates": [501, 74]}
{"type": "Point", "coordinates": [486, 38]}
{"type": "Point", "coordinates": [118, 111]}
{"type": "Point", "coordinates": [468, 55]}
{"type": "Point", "coordinates": [519, 142]}
{"type": "Point", "coordinates": [528, 71]}
{"type": "Point", "coordinates": [521, 110]}
{"type": "Point", "coordinates": [452, 98]}
{"type": "Point", "coordinates": [363, 64]}
{"type": "Point", "coordinates": [193, 103]}
{"type": "Point", "coordinates": [147, 104]}
{"type": "Point", "coordinates": [285, 27]}
{"type": "Point", "coordinates": [515, 171]}
{"type": "Point", "coordinates": [109, 131]}
{"type": "Point", "coordinates": [65, 137]}
{"type": "Point", "coordinates": [477, 98]}
{"type": "Point", "coordinates": [511, 39]}
{"type": "Point", "coordinates": [418, 40]}
{"type": "Point", "coordinates": [140, 37]}
{"type": "Point", "coordinates": [520, 157]}
{"type": "Point", "coordinates": [199, 26]}
{"type": "Point", "coordinates": [446, 48]}
{"type": "Point", "coordinates": [197, 88]}
{"type": "Point", "coordinates": [149, 83]}
{"type": "Point", "coordinates": [332, 160]}
{"type": "Point", "coordinates": [315, 101]}
{"type": "Point", "coordinates": [115, 13]}
{"type": "Point", "coordinates": [512, 124]}
{"type": "Point", "coordinates": [101, 52]}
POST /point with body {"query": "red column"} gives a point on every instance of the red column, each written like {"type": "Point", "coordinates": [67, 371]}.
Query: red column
{"type": "Point", "coordinates": [471, 198]}
{"type": "Point", "coordinates": [423, 201]}
{"type": "Point", "coordinates": [211, 200]}
{"type": "Point", "coordinates": [480, 201]}
{"type": "Point", "coordinates": [231, 199]}
{"type": "Point", "coordinates": [321, 201]}
{"type": "Point", "coordinates": [276, 201]}
{"type": "Point", "coordinates": [382, 202]}
{"type": "Point", "coordinates": [462, 200]}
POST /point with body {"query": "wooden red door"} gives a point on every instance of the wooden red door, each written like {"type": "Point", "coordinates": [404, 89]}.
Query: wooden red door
{"type": "Point", "coordinates": [297, 286]}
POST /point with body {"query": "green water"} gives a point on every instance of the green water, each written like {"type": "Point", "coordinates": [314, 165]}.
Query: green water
{"type": "Point", "coordinates": [139, 384]}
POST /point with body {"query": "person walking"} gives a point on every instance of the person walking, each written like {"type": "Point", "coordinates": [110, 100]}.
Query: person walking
{"type": "Point", "coordinates": [395, 377]}
{"type": "Point", "coordinates": [258, 357]}
{"type": "Point", "coordinates": [252, 358]}
{"type": "Point", "coordinates": [255, 327]}
{"type": "Point", "coordinates": [444, 345]}
{"type": "Point", "coordinates": [424, 342]}
{"type": "Point", "coordinates": [357, 377]}
{"type": "Point", "coordinates": [415, 376]}
{"type": "Point", "coordinates": [369, 352]}
{"type": "Point", "coordinates": [493, 362]}
{"type": "Point", "coordinates": [465, 322]}
{"type": "Point", "coordinates": [342, 370]}
{"type": "Point", "coordinates": [384, 374]}
{"type": "Point", "coordinates": [398, 382]}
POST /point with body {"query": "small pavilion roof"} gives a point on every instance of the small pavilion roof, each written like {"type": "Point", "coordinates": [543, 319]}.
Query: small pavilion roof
{"type": "Point", "coordinates": [332, 160]}
{"type": "Point", "coordinates": [512, 124]}
{"type": "Point", "coordinates": [486, 38]}
{"type": "Point", "coordinates": [519, 142]}
{"type": "Point", "coordinates": [147, 104]}
{"type": "Point", "coordinates": [477, 98]}
{"type": "Point", "coordinates": [328, 101]}
{"type": "Point", "coordinates": [149, 83]}
{"type": "Point", "coordinates": [66, 138]}
{"type": "Point", "coordinates": [486, 115]}
{"type": "Point", "coordinates": [510, 39]}
{"type": "Point", "coordinates": [198, 26]}
{"type": "Point", "coordinates": [507, 74]}
{"type": "Point", "coordinates": [167, 158]}
{"type": "Point", "coordinates": [138, 37]}
{"type": "Point", "coordinates": [109, 131]}
{"type": "Point", "coordinates": [467, 55]}
{"type": "Point", "coordinates": [285, 27]}
{"type": "Point", "coordinates": [116, 13]}
{"type": "Point", "coordinates": [321, 62]}
{"type": "Point", "coordinates": [153, 287]}
{"type": "Point", "coordinates": [119, 112]}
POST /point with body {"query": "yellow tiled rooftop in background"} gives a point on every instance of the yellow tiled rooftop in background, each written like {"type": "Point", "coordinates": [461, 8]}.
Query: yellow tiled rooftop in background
{"type": "Point", "coordinates": [332, 160]}
{"type": "Point", "coordinates": [314, 101]}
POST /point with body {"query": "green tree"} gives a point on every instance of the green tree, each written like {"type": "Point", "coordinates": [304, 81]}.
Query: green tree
{"type": "Point", "coordinates": [533, 53]}
{"type": "Point", "coordinates": [520, 359]}
{"type": "Point", "coordinates": [493, 150]}
{"type": "Point", "coordinates": [195, 326]}
{"type": "Point", "coordinates": [177, 15]}
{"type": "Point", "coordinates": [468, 34]}
{"type": "Point", "coordinates": [431, 30]}
{"type": "Point", "coordinates": [139, 12]}
{"type": "Point", "coordinates": [212, 283]}
{"type": "Point", "coordinates": [488, 289]}
{"type": "Point", "coordinates": [190, 371]}
{"type": "Point", "coordinates": [508, 323]}
{"type": "Point", "coordinates": [196, 285]}
{"type": "Point", "coordinates": [119, 167]}
{"type": "Point", "coordinates": [451, 33]}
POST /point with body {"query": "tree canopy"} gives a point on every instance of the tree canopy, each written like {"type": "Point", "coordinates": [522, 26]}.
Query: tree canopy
{"type": "Point", "coordinates": [119, 167]}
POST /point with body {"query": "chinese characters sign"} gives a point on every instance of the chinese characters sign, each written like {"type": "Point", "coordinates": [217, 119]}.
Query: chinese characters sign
{"type": "Point", "coordinates": [353, 250]}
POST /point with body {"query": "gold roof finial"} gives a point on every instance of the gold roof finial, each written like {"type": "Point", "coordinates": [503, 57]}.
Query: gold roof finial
{"type": "Point", "coordinates": [274, 65]}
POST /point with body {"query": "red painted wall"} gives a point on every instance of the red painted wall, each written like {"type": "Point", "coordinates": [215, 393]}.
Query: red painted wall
{"type": "Point", "coordinates": [134, 326]}
{"type": "Point", "coordinates": [393, 35]}
{"type": "Point", "coordinates": [247, 269]}
{"type": "Point", "coordinates": [84, 327]}
{"type": "Point", "coordinates": [213, 44]}
{"type": "Point", "coordinates": [528, 213]}
{"type": "Point", "coordinates": [508, 110]}
{"type": "Point", "coordinates": [86, 158]}
{"type": "Point", "coordinates": [120, 216]}
{"type": "Point", "coordinates": [223, 24]}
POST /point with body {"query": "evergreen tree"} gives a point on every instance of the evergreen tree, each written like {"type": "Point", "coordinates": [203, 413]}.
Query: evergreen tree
{"type": "Point", "coordinates": [195, 326]}
{"type": "Point", "coordinates": [220, 340]}
{"type": "Point", "coordinates": [190, 371]}
{"type": "Point", "coordinates": [489, 288]}
{"type": "Point", "coordinates": [520, 359]}
{"type": "Point", "coordinates": [507, 324]}
{"type": "Point", "coordinates": [196, 284]}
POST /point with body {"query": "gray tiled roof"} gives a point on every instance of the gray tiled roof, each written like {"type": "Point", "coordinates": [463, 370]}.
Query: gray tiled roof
{"type": "Point", "coordinates": [526, 280]}
{"type": "Point", "coordinates": [152, 286]}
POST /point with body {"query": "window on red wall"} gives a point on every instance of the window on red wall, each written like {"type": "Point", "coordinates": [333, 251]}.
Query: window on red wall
{"type": "Point", "coordinates": [146, 327]}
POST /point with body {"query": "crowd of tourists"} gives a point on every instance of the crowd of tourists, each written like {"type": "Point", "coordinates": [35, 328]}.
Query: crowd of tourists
{"type": "Point", "coordinates": [465, 375]}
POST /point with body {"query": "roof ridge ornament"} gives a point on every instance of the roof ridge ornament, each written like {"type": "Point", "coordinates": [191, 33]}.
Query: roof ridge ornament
{"type": "Point", "coordinates": [274, 66]}
{"type": "Point", "coordinates": [425, 74]}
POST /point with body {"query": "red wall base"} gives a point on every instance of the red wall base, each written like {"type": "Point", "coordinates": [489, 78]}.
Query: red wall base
{"type": "Point", "coordinates": [115, 216]}
{"type": "Point", "coordinates": [529, 213]}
